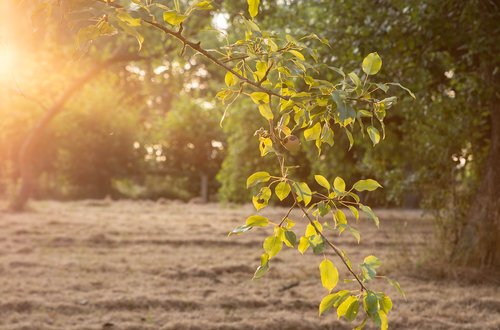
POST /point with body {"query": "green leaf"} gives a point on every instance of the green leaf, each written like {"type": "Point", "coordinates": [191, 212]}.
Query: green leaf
{"type": "Point", "coordinates": [265, 111]}
{"type": "Point", "coordinates": [313, 133]}
{"type": "Point", "coordinates": [282, 190]}
{"type": "Point", "coordinates": [257, 221]}
{"type": "Point", "coordinates": [404, 88]}
{"type": "Point", "coordinates": [304, 192]}
{"type": "Point", "coordinates": [253, 7]}
{"type": "Point", "coordinates": [369, 266]}
{"type": "Point", "coordinates": [348, 308]}
{"type": "Point", "coordinates": [272, 245]}
{"type": "Point", "coordinates": [257, 177]}
{"type": "Point", "coordinates": [355, 79]}
{"type": "Point", "coordinates": [260, 272]}
{"type": "Point", "coordinates": [260, 97]}
{"type": "Point", "coordinates": [367, 184]}
{"type": "Point", "coordinates": [369, 212]}
{"type": "Point", "coordinates": [374, 134]}
{"type": "Point", "coordinates": [317, 244]}
{"type": "Point", "coordinates": [370, 303]}
{"type": "Point", "coordinates": [173, 18]}
{"type": "Point", "coordinates": [322, 181]}
{"type": "Point", "coordinates": [372, 64]}
{"type": "Point", "coordinates": [346, 113]}
{"type": "Point", "coordinates": [290, 239]}
{"type": "Point", "coordinates": [263, 268]}
{"type": "Point", "coordinates": [230, 79]}
{"type": "Point", "coordinates": [329, 274]}
{"type": "Point", "coordinates": [339, 184]}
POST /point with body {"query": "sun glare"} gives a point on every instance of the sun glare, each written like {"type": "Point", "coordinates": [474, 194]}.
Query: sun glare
{"type": "Point", "coordinates": [7, 62]}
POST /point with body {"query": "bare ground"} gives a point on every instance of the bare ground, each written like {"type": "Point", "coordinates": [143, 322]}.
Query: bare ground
{"type": "Point", "coordinates": [145, 265]}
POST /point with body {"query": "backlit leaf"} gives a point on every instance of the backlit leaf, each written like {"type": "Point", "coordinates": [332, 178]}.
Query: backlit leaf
{"type": "Point", "coordinates": [329, 274]}
{"type": "Point", "coordinates": [367, 184]}
{"type": "Point", "coordinates": [282, 190]}
{"type": "Point", "coordinates": [272, 245]}
{"type": "Point", "coordinates": [257, 177]}
{"type": "Point", "coordinates": [374, 134]}
{"type": "Point", "coordinates": [253, 7]}
{"type": "Point", "coordinates": [372, 64]}
{"type": "Point", "coordinates": [257, 221]}
{"type": "Point", "coordinates": [173, 18]}
{"type": "Point", "coordinates": [322, 181]}
{"type": "Point", "coordinates": [339, 184]}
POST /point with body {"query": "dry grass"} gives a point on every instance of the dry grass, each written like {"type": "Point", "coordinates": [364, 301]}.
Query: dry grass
{"type": "Point", "coordinates": [145, 265]}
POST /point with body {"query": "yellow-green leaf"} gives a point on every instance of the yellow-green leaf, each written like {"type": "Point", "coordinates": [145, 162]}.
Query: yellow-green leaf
{"type": "Point", "coordinates": [265, 111]}
{"type": "Point", "coordinates": [327, 303]}
{"type": "Point", "coordinates": [124, 16]}
{"type": "Point", "coordinates": [310, 231]}
{"type": "Point", "coordinates": [372, 64]}
{"type": "Point", "coordinates": [262, 198]}
{"type": "Point", "coordinates": [204, 5]}
{"type": "Point", "coordinates": [297, 54]}
{"type": "Point", "coordinates": [339, 184]}
{"type": "Point", "coordinates": [282, 190]}
{"type": "Point", "coordinates": [257, 177]}
{"type": "Point", "coordinates": [260, 97]}
{"type": "Point", "coordinates": [313, 133]}
{"type": "Point", "coordinates": [329, 274]}
{"type": "Point", "coordinates": [322, 181]}
{"type": "Point", "coordinates": [272, 245]}
{"type": "Point", "coordinates": [368, 184]}
{"type": "Point", "coordinates": [253, 7]}
{"type": "Point", "coordinates": [374, 134]}
{"type": "Point", "coordinates": [384, 324]}
{"type": "Point", "coordinates": [173, 18]}
{"type": "Point", "coordinates": [257, 221]}
{"type": "Point", "coordinates": [303, 244]}
{"type": "Point", "coordinates": [304, 192]}
{"type": "Point", "coordinates": [230, 79]}
{"type": "Point", "coordinates": [345, 306]}
{"type": "Point", "coordinates": [340, 217]}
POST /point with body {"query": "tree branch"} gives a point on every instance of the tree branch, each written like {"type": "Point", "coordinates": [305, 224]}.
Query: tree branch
{"type": "Point", "coordinates": [197, 47]}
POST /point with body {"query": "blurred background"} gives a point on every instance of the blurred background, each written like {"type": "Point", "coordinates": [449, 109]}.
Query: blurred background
{"type": "Point", "coordinates": [108, 143]}
{"type": "Point", "coordinates": [149, 128]}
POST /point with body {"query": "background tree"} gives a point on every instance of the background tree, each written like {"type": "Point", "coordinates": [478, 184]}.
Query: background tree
{"type": "Point", "coordinates": [443, 147]}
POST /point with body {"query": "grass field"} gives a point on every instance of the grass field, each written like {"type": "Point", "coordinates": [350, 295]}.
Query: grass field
{"type": "Point", "coordinates": [146, 265]}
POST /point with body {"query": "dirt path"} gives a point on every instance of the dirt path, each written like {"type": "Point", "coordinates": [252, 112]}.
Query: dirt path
{"type": "Point", "coordinates": [145, 265]}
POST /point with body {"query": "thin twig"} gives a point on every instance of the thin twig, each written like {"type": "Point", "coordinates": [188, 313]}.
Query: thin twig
{"type": "Point", "coordinates": [335, 249]}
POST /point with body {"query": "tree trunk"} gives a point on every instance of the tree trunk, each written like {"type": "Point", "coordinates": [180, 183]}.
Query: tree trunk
{"type": "Point", "coordinates": [204, 187]}
{"type": "Point", "coordinates": [26, 153]}
{"type": "Point", "coordinates": [479, 242]}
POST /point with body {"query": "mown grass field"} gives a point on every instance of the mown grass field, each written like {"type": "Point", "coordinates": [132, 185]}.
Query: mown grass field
{"type": "Point", "coordinates": [146, 265]}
